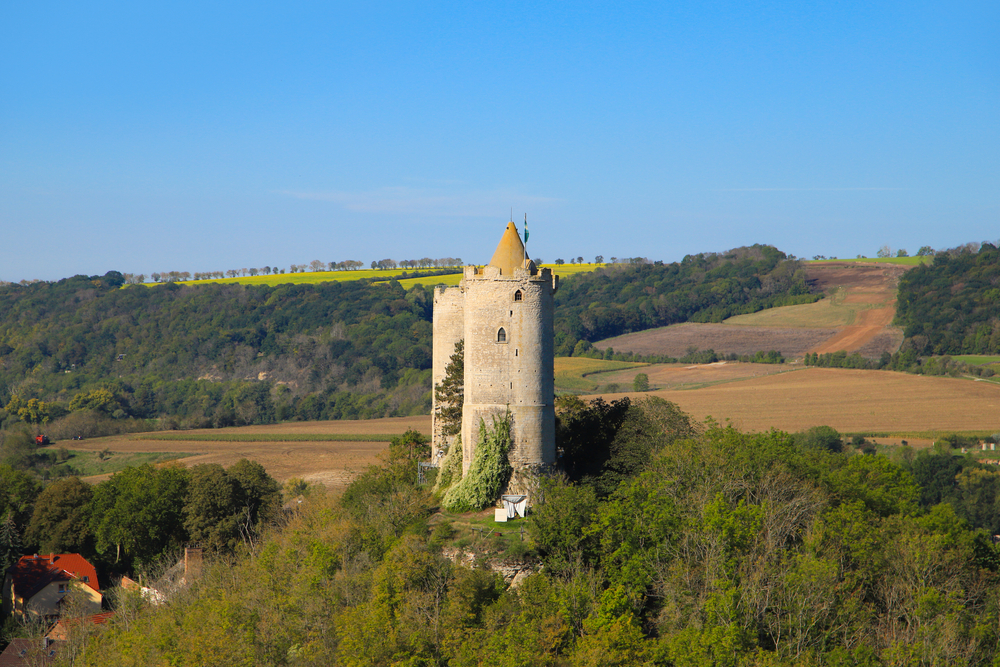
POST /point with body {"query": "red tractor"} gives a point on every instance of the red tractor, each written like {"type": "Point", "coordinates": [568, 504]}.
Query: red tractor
{"type": "Point", "coordinates": [42, 440]}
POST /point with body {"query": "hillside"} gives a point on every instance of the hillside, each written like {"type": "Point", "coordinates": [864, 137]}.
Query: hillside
{"type": "Point", "coordinates": [708, 287]}
{"type": "Point", "coordinates": [217, 355]}
{"type": "Point", "coordinates": [101, 354]}
{"type": "Point", "coordinates": [855, 316]}
{"type": "Point", "coordinates": [953, 305]}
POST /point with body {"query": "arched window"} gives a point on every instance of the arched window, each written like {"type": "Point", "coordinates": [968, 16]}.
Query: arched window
{"type": "Point", "coordinates": [501, 336]}
{"type": "Point", "coordinates": [517, 295]}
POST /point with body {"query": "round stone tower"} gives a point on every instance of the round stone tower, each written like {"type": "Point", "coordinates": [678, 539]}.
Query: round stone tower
{"type": "Point", "coordinates": [506, 313]}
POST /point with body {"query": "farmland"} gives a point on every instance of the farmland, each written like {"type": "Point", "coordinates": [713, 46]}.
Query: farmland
{"type": "Point", "coordinates": [312, 277]}
{"type": "Point", "coordinates": [723, 338]}
{"type": "Point", "coordinates": [856, 316]}
{"type": "Point", "coordinates": [684, 376]}
{"type": "Point", "coordinates": [848, 400]}
{"type": "Point", "coordinates": [754, 397]}
{"type": "Point", "coordinates": [296, 449]}
{"type": "Point", "coordinates": [306, 278]}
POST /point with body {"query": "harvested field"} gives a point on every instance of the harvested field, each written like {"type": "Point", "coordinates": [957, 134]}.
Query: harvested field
{"type": "Point", "coordinates": [847, 400]}
{"type": "Point", "coordinates": [723, 338]}
{"type": "Point", "coordinates": [333, 464]}
{"type": "Point", "coordinates": [682, 376]}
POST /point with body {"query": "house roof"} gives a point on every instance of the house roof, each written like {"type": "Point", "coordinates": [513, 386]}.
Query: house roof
{"type": "Point", "coordinates": [33, 573]}
{"type": "Point", "coordinates": [509, 254]}
{"type": "Point", "coordinates": [60, 631]}
{"type": "Point", "coordinates": [23, 652]}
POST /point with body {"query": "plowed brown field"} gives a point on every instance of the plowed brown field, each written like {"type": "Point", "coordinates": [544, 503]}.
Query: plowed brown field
{"type": "Point", "coordinates": [332, 464]}
{"type": "Point", "coordinates": [847, 400]}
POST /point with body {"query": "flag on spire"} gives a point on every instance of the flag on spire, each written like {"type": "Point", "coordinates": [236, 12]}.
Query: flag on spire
{"type": "Point", "coordinates": [525, 227]}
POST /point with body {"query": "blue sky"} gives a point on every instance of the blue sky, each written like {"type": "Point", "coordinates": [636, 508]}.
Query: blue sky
{"type": "Point", "coordinates": [184, 136]}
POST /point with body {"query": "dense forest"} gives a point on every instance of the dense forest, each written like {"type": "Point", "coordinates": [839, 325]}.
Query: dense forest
{"type": "Point", "coordinates": [667, 542]}
{"type": "Point", "coordinates": [953, 305]}
{"type": "Point", "coordinates": [708, 287]}
{"type": "Point", "coordinates": [98, 356]}
{"type": "Point", "coordinates": [213, 355]}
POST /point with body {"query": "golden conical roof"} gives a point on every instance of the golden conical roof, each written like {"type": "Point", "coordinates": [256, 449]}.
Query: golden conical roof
{"type": "Point", "coordinates": [509, 254]}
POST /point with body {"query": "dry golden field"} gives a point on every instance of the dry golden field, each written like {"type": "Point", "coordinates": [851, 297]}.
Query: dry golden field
{"type": "Point", "coordinates": [848, 400]}
{"type": "Point", "coordinates": [332, 464]}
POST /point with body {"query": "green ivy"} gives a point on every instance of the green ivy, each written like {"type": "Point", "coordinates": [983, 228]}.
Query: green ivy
{"type": "Point", "coordinates": [489, 472]}
{"type": "Point", "coordinates": [451, 467]}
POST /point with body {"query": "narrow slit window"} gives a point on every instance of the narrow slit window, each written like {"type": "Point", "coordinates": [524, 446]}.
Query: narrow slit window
{"type": "Point", "coordinates": [501, 336]}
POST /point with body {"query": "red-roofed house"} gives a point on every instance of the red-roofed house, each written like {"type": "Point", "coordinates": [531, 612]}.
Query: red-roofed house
{"type": "Point", "coordinates": [36, 585]}
{"type": "Point", "coordinates": [61, 631]}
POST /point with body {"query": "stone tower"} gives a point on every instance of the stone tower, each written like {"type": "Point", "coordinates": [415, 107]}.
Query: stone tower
{"type": "Point", "coordinates": [504, 312]}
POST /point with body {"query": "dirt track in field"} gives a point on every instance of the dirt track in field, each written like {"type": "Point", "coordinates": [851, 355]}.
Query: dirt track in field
{"type": "Point", "coordinates": [870, 323]}
{"type": "Point", "coordinates": [332, 464]}
{"type": "Point", "coordinates": [865, 299]}
{"type": "Point", "coordinates": [847, 400]}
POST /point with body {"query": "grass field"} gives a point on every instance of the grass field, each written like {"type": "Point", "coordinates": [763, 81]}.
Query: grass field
{"type": "Point", "coordinates": [87, 463]}
{"type": "Point", "coordinates": [978, 359]}
{"type": "Point", "coordinates": [829, 313]}
{"type": "Point", "coordinates": [905, 261]}
{"type": "Point", "coordinates": [571, 372]}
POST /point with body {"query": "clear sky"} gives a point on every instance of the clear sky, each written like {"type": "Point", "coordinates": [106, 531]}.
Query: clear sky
{"type": "Point", "coordinates": [197, 136]}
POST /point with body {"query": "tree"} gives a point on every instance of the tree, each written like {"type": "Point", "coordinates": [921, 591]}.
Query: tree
{"type": "Point", "coordinates": [374, 264]}
{"type": "Point", "coordinates": [60, 522]}
{"type": "Point", "coordinates": [560, 262]}
{"type": "Point", "coordinates": [925, 251]}
{"type": "Point", "coordinates": [579, 260]}
{"type": "Point", "coordinates": [317, 265]}
{"type": "Point", "coordinates": [139, 512]}
{"type": "Point", "coordinates": [884, 252]}
{"type": "Point", "coordinates": [32, 411]}
{"type": "Point", "coordinates": [902, 253]}
{"type": "Point", "coordinates": [411, 445]}
{"type": "Point", "coordinates": [599, 259]}
{"type": "Point", "coordinates": [449, 395]}
{"type": "Point", "coordinates": [211, 508]}
{"type": "Point", "coordinates": [640, 382]}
